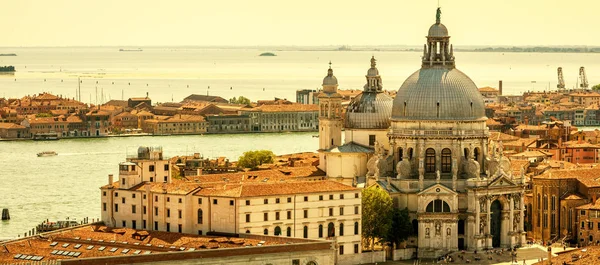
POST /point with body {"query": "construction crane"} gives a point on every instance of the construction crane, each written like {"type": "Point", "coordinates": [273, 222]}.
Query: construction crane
{"type": "Point", "coordinates": [561, 81]}
{"type": "Point", "coordinates": [583, 83]}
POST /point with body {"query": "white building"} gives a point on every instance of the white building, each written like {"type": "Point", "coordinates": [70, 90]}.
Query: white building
{"type": "Point", "coordinates": [146, 197]}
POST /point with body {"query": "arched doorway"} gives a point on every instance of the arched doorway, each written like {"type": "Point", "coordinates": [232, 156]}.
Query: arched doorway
{"type": "Point", "coordinates": [495, 223]}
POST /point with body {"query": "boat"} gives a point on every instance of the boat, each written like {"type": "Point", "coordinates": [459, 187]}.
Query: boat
{"type": "Point", "coordinates": [8, 54]}
{"type": "Point", "coordinates": [47, 153]}
{"type": "Point", "coordinates": [267, 54]}
{"type": "Point", "coordinates": [131, 50]}
{"type": "Point", "coordinates": [45, 137]}
{"type": "Point", "coordinates": [47, 226]}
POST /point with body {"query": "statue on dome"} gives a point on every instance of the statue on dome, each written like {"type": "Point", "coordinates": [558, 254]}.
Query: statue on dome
{"type": "Point", "coordinates": [438, 16]}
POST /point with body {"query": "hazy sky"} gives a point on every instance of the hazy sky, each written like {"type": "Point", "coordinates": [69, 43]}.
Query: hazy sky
{"type": "Point", "coordinates": [287, 22]}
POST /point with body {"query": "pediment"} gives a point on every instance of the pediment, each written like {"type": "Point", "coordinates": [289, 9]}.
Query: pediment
{"type": "Point", "coordinates": [502, 181]}
{"type": "Point", "coordinates": [438, 189]}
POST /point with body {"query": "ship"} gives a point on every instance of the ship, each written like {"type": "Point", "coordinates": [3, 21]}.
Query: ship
{"type": "Point", "coordinates": [131, 50]}
{"type": "Point", "coordinates": [47, 153]}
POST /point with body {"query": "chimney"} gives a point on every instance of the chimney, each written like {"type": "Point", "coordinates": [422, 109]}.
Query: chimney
{"type": "Point", "coordinates": [500, 87]}
{"type": "Point", "coordinates": [110, 179]}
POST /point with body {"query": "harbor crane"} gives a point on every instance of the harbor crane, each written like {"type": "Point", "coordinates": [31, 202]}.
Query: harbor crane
{"type": "Point", "coordinates": [561, 80]}
{"type": "Point", "coordinates": [583, 83]}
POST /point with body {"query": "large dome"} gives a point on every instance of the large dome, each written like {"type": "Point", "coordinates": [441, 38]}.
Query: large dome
{"type": "Point", "coordinates": [438, 93]}
{"type": "Point", "coordinates": [369, 110]}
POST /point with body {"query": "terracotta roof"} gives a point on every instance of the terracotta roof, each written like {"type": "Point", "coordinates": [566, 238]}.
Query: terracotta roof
{"type": "Point", "coordinates": [101, 236]}
{"type": "Point", "coordinates": [9, 125]}
{"type": "Point", "coordinates": [593, 205]}
{"type": "Point", "coordinates": [528, 154]}
{"type": "Point", "coordinates": [573, 197]}
{"type": "Point", "coordinates": [270, 189]}
{"type": "Point", "coordinates": [498, 136]}
{"type": "Point", "coordinates": [288, 108]}
{"type": "Point", "coordinates": [587, 176]}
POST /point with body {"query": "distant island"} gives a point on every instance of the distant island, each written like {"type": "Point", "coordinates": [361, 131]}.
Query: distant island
{"type": "Point", "coordinates": [5, 69]}
{"type": "Point", "coordinates": [131, 50]}
{"type": "Point", "coordinates": [8, 54]}
{"type": "Point", "coordinates": [536, 49]}
{"type": "Point", "coordinates": [267, 54]}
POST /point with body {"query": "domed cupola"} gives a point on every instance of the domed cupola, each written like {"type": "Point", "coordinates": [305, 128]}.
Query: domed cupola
{"type": "Point", "coordinates": [330, 82]}
{"type": "Point", "coordinates": [372, 108]}
{"type": "Point", "coordinates": [438, 91]}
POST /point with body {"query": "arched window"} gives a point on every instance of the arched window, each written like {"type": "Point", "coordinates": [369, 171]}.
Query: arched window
{"type": "Point", "coordinates": [288, 232]}
{"type": "Point", "coordinates": [199, 216]}
{"type": "Point", "coordinates": [266, 231]}
{"type": "Point", "coordinates": [476, 154]}
{"type": "Point", "coordinates": [277, 231]}
{"type": "Point", "coordinates": [446, 160]}
{"type": "Point", "coordinates": [305, 231]}
{"type": "Point", "coordinates": [410, 153]}
{"type": "Point", "coordinates": [356, 229]}
{"type": "Point", "coordinates": [320, 231]}
{"type": "Point", "coordinates": [430, 160]}
{"type": "Point", "coordinates": [330, 230]}
{"type": "Point", "coordinates": [466, 152]}
{"type": "Point", "coordinates": [341, 229]}
{"type": "Point", "coordinates": [400, 154]}
{"type": "Point", "coordinates": [438, 206]}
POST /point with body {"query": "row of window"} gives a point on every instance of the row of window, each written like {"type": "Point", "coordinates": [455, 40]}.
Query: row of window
{"type": "Point", "coordinates": [289, 214]}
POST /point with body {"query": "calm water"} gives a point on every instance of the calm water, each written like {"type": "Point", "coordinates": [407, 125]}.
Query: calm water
{"type": "Point", "coordinates": [174, 73]}
{"type": "Point", "coordinates": [67, 185]}
{"type": "Point", "coordinates": [36, 188]}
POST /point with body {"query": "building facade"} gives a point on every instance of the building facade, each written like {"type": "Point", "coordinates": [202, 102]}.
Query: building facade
{"type": "Point", "coordinates": [460, 192]}
{"type": "Point", "coordinates": [146, 197]}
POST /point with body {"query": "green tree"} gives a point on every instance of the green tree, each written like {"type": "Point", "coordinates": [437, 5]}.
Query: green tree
{"type": "Point", "coordinates": [596, 87]}
{"type": "Point", "coordinates": [241, 100]}
{"type": "Point", "coordinates": [376, 214]}
{"type": "Point", "coordinates": [253, 159]}
{"type": "Point", "coordinates": [401, 227]}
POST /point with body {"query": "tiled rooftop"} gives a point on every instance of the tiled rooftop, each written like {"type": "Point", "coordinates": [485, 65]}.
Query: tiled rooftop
{"type": "Point", "coordinates": [99, 241]}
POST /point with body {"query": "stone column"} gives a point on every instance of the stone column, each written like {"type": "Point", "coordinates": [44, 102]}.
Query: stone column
{"type": "Point", "coordinates": [511, 213]}
{"type": "Point", "coordinates": [477, 215]}
{"type": "Point", "coordinates": [521, 213]}
{"type": "Point", "coordinates": [489, 205]}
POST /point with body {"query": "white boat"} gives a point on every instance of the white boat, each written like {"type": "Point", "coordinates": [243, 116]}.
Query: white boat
{"type": "Point", "coordinates": [47, 153]}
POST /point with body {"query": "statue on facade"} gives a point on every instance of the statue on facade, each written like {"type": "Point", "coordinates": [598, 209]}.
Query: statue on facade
{"type": "Point", "coordinates": [427, 232]}
{"type": "Point", "coordinates": [482, 205]}
{"type": "Point", "coordinates": [403, 167]}
{"type": "Point", "coordinates": [371, 166]}
{"type": "Point", "coordinates": [482, 223]}
{"type": "Point", "coordinates": [438, 228]}
{"type": "Point", "coordinates": [437, 176]}
{"type": "Point", "coordinates": [448, 231]}
{"type": "Point", "coordinates": [472, 168]}
{"type": "Point", "coordinates": [516, 222]}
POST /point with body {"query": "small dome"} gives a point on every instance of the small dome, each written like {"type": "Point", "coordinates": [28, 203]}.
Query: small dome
{"type": "Point", "coordinates": [438, 30]}
{"type": "Point", "coordinates": [369, 110]}
{"type": "Point", "coordinates": [438, 94]}
{"type": "Point", "coordinates": [330, 79]}
{"type": "Point", "coordinates": [372, 72]}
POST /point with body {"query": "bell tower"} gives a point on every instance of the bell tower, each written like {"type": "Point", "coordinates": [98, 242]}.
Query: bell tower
{"type": "Point", "coordinates": [330, 115]}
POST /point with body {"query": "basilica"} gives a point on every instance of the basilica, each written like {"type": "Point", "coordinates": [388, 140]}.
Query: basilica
{"type": "Point", "coordinates": [430, 143]}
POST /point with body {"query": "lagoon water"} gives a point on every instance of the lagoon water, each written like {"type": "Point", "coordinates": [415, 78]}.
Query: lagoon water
{"type": "Point", "coordinates": [38, 188]}
{"type": "Point", "coordinates": [67, 185]}
{"type": "Point", "coordinates": [175, 72]}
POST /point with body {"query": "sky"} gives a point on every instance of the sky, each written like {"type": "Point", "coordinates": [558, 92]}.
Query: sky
{"type": "Point", "coordinates": [295, 23]}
